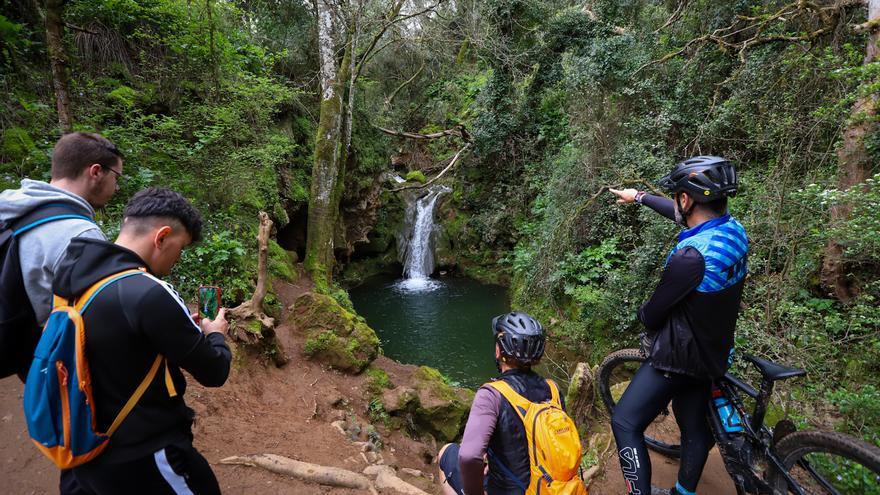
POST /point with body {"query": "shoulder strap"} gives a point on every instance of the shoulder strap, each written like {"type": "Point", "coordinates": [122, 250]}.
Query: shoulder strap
{"type": "Point", "coordinates": [520, 404]}
{"type": "Point", "coordinates": [554, 393]}
{"type": "Point", "coordinates": [45, 214]}
{"type": "Point", "coordinates": [136, 396]}
{"type": "Point", "coordinates": [82, 302]}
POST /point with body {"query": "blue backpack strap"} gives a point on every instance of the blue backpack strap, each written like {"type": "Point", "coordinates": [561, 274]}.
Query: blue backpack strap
{"type": "Point", "coordinates": [43, 214]}
{"type": "Point", "coordinates": [86, 299]}
{"type": "Point", "coordinates": [507, 472]}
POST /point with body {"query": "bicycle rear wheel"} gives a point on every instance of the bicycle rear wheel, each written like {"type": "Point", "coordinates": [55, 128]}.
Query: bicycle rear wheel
{"type": "Point", "coordinates": [828, 463]}
{"type": "Point", "coordinates": [614, 375]}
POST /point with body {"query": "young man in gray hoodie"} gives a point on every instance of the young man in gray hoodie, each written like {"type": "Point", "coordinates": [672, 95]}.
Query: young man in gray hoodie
{"type": "Point", "coordinates": [86, 168]}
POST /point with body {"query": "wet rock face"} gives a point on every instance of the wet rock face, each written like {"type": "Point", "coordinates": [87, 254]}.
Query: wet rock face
{"type": "Point", "coordinates": [334, 335]}
{"type": "Point", "coordinates": [429, 405]}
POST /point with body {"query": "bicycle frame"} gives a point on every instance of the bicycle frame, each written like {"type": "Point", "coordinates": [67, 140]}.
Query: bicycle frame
{"type": "Point", "coordinates": [739, 451]}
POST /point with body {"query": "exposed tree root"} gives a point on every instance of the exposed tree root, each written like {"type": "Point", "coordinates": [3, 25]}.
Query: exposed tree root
{"type": "Point", "coordinates": [385, 477]}
{"type": "Point", "coordinates": [324, 475]}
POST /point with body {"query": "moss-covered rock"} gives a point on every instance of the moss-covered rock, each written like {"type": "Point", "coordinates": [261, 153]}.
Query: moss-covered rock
{"type": "Point", "coordinates": [430, 404]}
{"type": "Point", "coordinates": [334, 335]}
{"type": "Point", "coordinates": [417, 176]}
{"type": "Point", "coordinates": [281, 262]}
{"type": "Point", "coordinates": [377, 382]}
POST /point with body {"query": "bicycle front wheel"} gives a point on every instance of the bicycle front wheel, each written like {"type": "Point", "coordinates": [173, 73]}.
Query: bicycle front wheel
{"type": "Point", "coordinates": [827, 463]}
{"type": "Point", "coordinates": [614, 375]}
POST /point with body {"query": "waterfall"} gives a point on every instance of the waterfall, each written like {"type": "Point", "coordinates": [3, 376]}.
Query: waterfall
{"type": "Point", "coordinates": [419, 259]}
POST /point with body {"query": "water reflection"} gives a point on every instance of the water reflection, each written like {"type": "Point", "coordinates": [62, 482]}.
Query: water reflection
{"type": "Point", "coordinates": [440, 323]}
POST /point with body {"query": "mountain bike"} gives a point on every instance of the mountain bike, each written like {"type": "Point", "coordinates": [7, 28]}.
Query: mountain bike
{"type": "Point", "coordinates": [760, 460]}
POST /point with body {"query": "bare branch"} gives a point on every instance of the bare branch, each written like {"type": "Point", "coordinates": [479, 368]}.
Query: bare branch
{"type": "Point", "coordinates": [867, 27]}
{"type": "Point", "coordinates": [726, 40]}
{"type": "Point", "coordinates": [378, 50]}
{"type": "Point", "coordinates": [674, 17]}
{"type": "Point", "coordinates": [458, 131]}
{"type": "Point", "coordinates": [80, 29]}
{"type": "Point", "coordinates": [448, 167]}
{"type": "Point", "coordinates": [392, 18]}
{"type": "Point", "coordinates": [397, 90]}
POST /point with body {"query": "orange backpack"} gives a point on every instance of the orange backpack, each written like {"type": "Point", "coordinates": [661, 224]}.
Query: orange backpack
{"type": "Point", "coordinates": [554, 444]}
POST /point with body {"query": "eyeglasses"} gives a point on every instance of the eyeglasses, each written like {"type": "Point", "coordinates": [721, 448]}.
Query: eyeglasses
{"type": "Point", "coordinates": [117, 174]}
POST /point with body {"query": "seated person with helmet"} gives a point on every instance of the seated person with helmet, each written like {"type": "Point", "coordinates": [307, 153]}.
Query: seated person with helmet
{"type": "Point", "coordinates": [495, 428]}
{"type": "Point", "coordinates": [690, 320]}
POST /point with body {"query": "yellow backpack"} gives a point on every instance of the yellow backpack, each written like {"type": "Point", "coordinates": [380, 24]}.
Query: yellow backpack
{"type": "Point", "coordinates": [554, 445]}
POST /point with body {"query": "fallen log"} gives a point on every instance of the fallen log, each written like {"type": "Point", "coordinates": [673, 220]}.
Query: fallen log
{"type": "Point", "coordinates": [305, 471]}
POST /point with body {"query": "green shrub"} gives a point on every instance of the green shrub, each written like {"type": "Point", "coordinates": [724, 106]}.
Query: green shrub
{"type": "Point", "coordinates": [860, 407]}
{"type": "Point", "coordinates": [377, 382]}
{"type": "Point", "coordinates": [218, 260]}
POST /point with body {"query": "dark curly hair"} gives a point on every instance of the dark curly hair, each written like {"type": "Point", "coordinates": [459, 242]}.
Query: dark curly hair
{"type": "Point", "coordinates": [162, 203]}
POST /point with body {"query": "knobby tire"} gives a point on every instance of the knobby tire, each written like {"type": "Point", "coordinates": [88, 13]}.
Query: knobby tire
{"type": "Point", "coordinates": [793, 449]}
{"type": "Point", "coordinates": [604, 374]}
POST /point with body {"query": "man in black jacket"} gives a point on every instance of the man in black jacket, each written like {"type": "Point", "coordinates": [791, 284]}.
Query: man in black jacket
{"type": "Point", "coordinates": [127, 325]}
{"type": "Point", "coordinates": [690, 319]}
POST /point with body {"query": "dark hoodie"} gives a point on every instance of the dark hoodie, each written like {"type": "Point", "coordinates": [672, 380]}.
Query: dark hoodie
{"type": "Point", "coordinates": [127, 325]}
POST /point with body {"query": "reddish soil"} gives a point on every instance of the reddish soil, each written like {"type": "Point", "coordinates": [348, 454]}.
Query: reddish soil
{"type": "Point", "coordinates": [715, 479]}
{"type": "Point", "coordinates": [285, 411]}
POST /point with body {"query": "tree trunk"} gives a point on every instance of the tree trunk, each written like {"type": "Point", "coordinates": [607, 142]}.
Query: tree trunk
{"type": "Point", "coordinates": [326, 171]}
{"type": "Point", "coordinates": [252, 309]}
{"type": "Point", "coordinates": [58, 61]}
{"type": "Point", "coordinates": [262, 262]}
{"type": "Point", "coordinates": [855, 167]}
{"type": "Point", "coordinates": [215, 76]}
{"type": "Point", "coordinates": [349, 108]}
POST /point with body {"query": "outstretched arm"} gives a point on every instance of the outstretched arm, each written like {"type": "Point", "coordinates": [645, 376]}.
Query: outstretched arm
{"type": "Point", "coordinates": [659, 204]}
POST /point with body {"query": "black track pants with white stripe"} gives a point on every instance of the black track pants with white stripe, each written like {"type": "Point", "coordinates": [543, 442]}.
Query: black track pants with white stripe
{"type": "Point", "coordinates": [177, 469]}
{"type": "Point", "coordinates": [647, 395]}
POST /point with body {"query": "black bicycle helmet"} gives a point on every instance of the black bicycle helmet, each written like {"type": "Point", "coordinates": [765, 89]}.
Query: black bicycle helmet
{"type": "Point", "coordinates": [705, 178]}
{"type": "Point", "coordinates": [520, 336]}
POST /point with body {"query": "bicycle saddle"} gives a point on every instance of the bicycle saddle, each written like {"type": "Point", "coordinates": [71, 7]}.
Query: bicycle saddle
{"type": "Point", "coordinates": [773, 371]}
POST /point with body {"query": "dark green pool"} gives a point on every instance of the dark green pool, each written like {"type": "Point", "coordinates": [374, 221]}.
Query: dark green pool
{"type": "Point", "coordinates": [444, 323]}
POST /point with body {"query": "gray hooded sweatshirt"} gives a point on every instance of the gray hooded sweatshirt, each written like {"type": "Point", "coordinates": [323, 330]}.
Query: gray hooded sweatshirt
{"type": "Point", "coordinates": [42, 248]}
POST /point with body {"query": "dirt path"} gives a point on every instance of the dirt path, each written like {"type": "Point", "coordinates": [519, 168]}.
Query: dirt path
{"type": "Point", "coordinates": [287, 411]}
{"type": "Point", "coordinates": [715, 480]}
{"type": "Point", "coordinates": [261, 409]}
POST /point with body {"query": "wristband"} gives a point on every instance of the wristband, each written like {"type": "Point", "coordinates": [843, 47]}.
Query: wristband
{"type": "Point", "coordinates": [639, 196]}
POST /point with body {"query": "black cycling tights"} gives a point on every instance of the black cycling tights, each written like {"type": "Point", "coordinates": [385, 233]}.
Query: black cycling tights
{"type": "Point", "coordinates": [646, 396]}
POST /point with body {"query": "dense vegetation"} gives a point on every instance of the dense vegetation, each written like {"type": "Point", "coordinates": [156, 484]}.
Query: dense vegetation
{"type": "Point", "coordinates": [220, 100]}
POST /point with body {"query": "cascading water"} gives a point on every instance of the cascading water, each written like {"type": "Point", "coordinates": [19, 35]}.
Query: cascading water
{"type": "Point", "coordinates": [419, 258]}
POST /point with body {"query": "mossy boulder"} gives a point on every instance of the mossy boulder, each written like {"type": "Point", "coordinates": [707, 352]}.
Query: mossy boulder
{"type": "Point", "coordinates": [417, 176]}
{"type": "Point", "coordinates": [281, 262]}
{"type": "Point", "coordinates": [334, 335]}
{"type": "Point", "coordinates": [430, 404]}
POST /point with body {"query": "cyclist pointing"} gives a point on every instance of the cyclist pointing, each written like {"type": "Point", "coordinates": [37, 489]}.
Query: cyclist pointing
{"type": "Point", "coordinates": [690, 320]}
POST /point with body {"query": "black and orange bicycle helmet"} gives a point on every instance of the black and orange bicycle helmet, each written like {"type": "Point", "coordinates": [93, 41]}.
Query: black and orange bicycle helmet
{"type": "Point", "coordinates": [520, 336]}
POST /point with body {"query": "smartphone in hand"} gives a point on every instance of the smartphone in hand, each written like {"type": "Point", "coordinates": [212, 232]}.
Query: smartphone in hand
{"type": "Point", "coordinates": [209, 301]}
